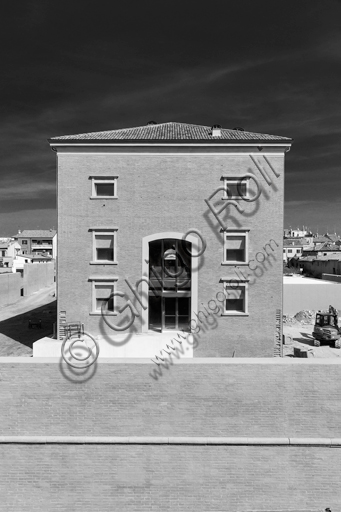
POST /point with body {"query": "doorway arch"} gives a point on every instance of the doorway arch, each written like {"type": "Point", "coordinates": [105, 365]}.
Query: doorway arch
{"type": "Point", "coordinates": [170, 283]}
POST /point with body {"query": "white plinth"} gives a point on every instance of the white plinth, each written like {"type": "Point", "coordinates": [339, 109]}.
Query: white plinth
{"type": "Point", "coordinates": [123, 346]}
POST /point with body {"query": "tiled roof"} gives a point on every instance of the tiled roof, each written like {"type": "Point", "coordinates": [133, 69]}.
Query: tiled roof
{"type": "Point", "coordinates": [34, 257]}
{"type": "Point", "coordinates": [171, 132]}
{"type": "Point", "coordinates": [32, 233]}
{"type": "Point", "coordinates": [292, 243]}
{"type": "Point", "coordinates": [319, 239]}
{"type": "Point", "coordinates": [333, 238]}
{"type": "Point", "coordinates": [327, 246]}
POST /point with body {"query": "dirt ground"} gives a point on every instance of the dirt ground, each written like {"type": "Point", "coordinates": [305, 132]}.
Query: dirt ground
{"type": "Point", "coordinates": [302, 338]}
{"type": "Point", "coordinates": [16, 338]}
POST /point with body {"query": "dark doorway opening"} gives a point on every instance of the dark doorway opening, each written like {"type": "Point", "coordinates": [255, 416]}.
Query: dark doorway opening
{"type": "Point", "coordinates": [169, 285]}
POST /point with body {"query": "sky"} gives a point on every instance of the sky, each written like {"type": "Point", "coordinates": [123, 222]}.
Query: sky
{"type": "Point", "coordinates": [73, 67]}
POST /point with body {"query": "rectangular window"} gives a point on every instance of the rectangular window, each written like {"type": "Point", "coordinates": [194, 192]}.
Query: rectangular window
{"type": "Point", "coordinates": [236, 294]}
{"type": "Point", "coordinates": [102, 295]}
{"type": "Point", "coordinates": [24, 242]}
{"type": "Point", "coordinates": [103, 187]}
{"type": "Point", "coordinates": [289, 250]}
{"type": "Point", "coordinates": [104, 246]}
{"type": "Point", "coordinates": [235, 248]}
{"type": "Point", "coordinates": [236, 187]}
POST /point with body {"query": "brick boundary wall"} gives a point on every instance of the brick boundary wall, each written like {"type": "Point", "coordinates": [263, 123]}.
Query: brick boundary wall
{"type": "Point", "coordinates": [201, 398]}
{"type": "Point", "coordinates": [168, 478]}
{"type": "Point", "coordinates": [259, 401]}
{"type": "Point", "coordinates": [186, 441]}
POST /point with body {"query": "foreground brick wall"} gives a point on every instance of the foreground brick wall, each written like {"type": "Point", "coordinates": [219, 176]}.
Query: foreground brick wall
{"type": "Point", "coordinates": [235, 399]}
{"type": "Point", "coordinates": [274, 398]}
{"type": "Point", "coordinates": [168, 478]}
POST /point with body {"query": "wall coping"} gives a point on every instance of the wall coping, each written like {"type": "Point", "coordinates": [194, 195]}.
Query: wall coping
{"type": "Point", "coordinates": [157, 440]}
{"type": "Point", "coordinates": [276, 361]}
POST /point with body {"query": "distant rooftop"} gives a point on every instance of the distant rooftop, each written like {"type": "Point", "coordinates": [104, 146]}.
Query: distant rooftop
{"type": "Point", "coordinates": [320, 239]}
{"type": "Point", "coordinates": [293, 242]}
{"type": "Point", "coordinates": [36, 233]}
{"type": "Point", "coordinates": [35, 256]}
{"type": "Point", "coordinates": [171, 132]}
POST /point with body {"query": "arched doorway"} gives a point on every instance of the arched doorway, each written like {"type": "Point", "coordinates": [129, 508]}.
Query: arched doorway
{"type": "Point", "coordinates": [171, 286]}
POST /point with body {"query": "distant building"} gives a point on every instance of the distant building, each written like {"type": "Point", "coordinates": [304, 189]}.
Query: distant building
{"type": "Point", "coordinates": [321, 249]}
{"type": "Point", "coordinates": [292, 248]}
{"type": "Point", "coordinates": [317, 265]}
{"type": "Point", "coordinates": [38, 242]}
{"type": "Point", "coordinates": [21, 259]}
{"type": "Point", "coordinates": [8, 252]}
{"type": "Point", "coordinates": [296, 233]}
{"type": "Point", "coordinates": [3, 249]}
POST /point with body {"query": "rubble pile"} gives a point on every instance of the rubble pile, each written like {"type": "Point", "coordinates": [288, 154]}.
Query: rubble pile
{"type": "Point", "coordinates": [302, 317]}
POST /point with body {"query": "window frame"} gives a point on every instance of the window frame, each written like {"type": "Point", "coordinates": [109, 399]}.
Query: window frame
{"type": "Point", "coordinates": [241, 283]}
{"type": "Point", "coordinates": [111, 231]}
{"type": "Point", "coordinates": [24, 242]}
{"type": "Point", "coordinates": [97, 281]}
{"type": "Point", "coordinates": [103, 180]}
{"type": "Point", "coordinates": [235, 180]}
{"type": "Point", "coordinates": [236, 232]}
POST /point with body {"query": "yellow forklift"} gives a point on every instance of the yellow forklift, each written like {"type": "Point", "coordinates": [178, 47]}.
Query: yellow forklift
{"type": "Point", "coordinates": [326, 328]}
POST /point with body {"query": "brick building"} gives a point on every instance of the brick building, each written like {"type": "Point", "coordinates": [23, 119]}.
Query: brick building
{"type": "Point", "coordinates": [135, 209]}
{"type": "Point", "coordinates": [38, 242]}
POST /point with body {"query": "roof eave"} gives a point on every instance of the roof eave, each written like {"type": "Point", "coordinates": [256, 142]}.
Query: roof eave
{"type": "Point", "coordinates": [149, 142]}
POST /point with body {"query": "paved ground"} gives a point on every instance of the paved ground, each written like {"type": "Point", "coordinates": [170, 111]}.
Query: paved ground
{"type": "Point", "coordinates": [16, 338]}
{"type": "Point", "coordinates": [301, 336]}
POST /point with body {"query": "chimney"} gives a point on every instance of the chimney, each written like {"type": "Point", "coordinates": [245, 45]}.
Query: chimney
{"type": "Point", "coordinates": [216, 130]}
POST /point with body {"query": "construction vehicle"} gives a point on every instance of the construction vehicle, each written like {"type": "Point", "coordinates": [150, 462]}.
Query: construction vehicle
{"type": "Point", "coordinates": [326, 328]}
